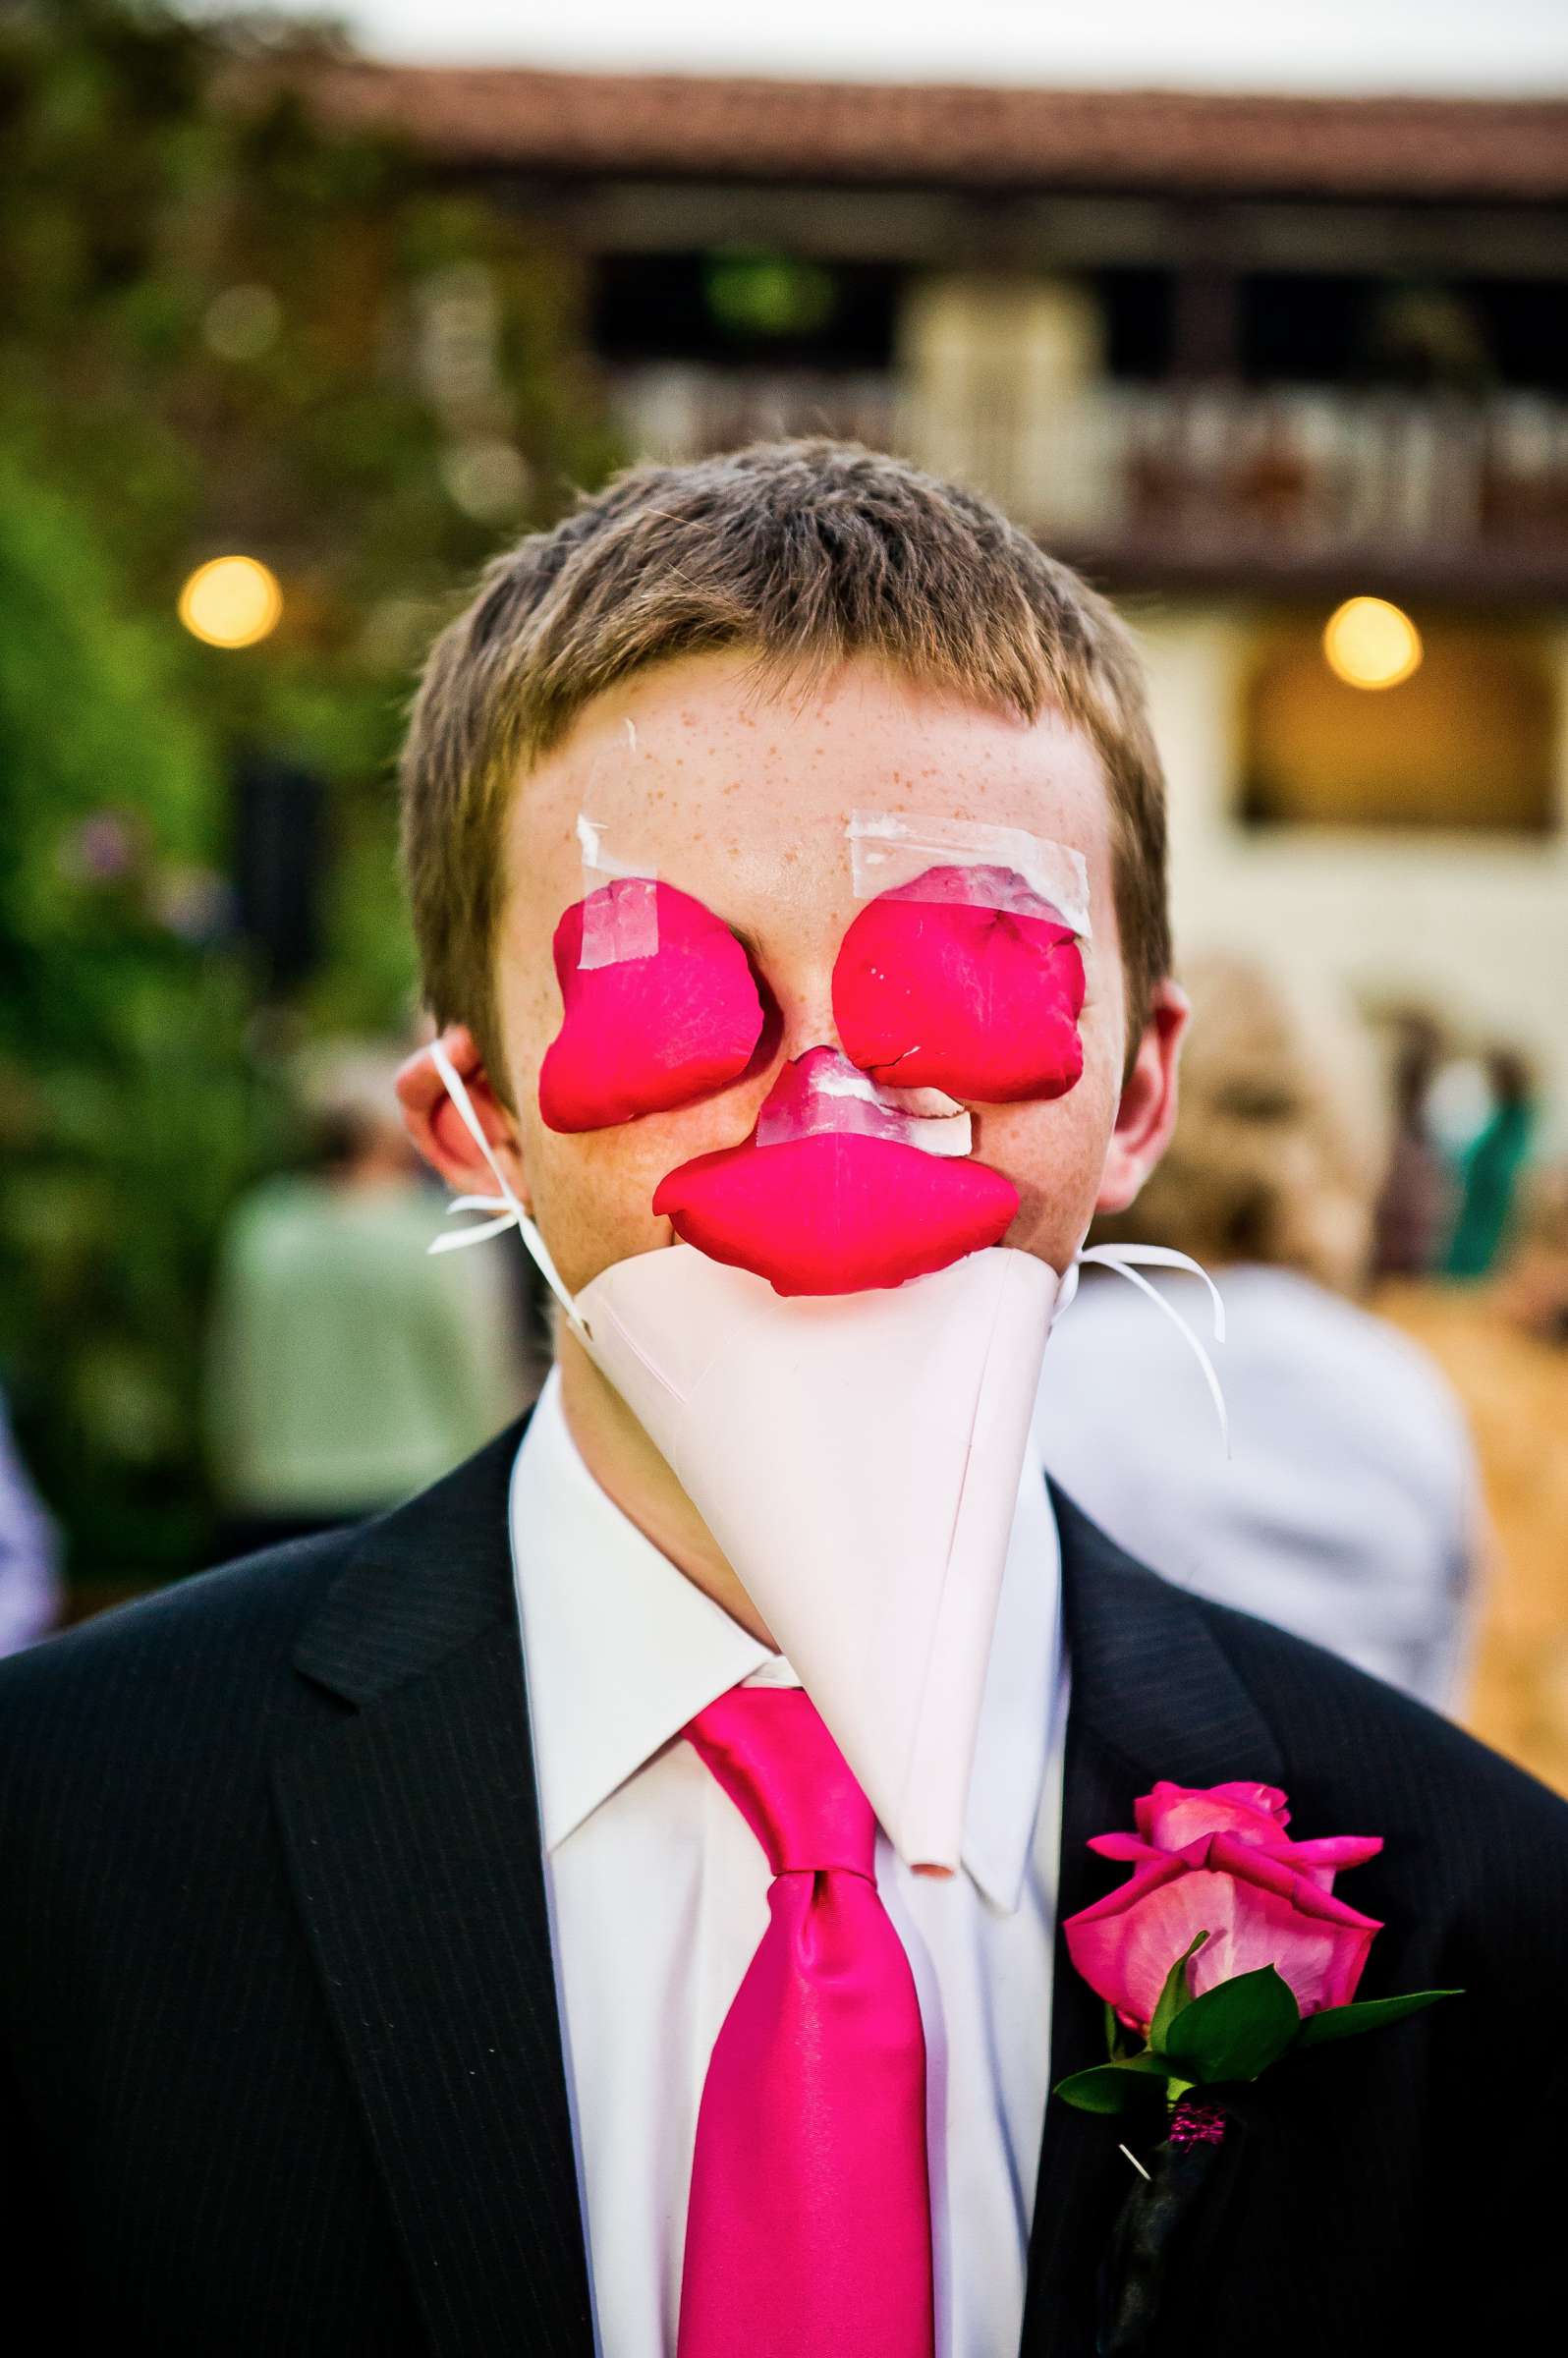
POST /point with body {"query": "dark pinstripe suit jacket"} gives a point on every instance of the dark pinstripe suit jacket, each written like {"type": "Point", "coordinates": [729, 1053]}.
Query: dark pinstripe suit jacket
{"type": "Point", "coordinates": [282, 2066]}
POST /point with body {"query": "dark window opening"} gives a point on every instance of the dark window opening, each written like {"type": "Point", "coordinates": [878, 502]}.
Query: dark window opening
{"type": "Point", "coordinates": [1136, 308]}
{"type": "Point", "coordinates": [1462, 336]}
{"type": "Point", "coordinates": [745, 306]}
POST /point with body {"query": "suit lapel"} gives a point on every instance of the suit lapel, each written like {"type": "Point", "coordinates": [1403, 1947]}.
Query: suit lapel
{"type": "Point", "coordinates": [1152, 1696]}
{"type": "Point", "coordinates": [412, 1828]}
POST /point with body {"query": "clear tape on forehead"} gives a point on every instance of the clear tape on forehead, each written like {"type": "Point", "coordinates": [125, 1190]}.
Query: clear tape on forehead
{"type": "Point", "coordinates": [620, 904]}
{"type": "Point", "coordinates": [951, 860]}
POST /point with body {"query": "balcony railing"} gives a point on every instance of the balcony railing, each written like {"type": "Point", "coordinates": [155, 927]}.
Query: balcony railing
{"type": "Point", "coordinates": [1209, 479]}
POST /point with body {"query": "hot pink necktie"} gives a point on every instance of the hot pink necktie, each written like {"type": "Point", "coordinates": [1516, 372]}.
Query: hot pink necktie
{"type": "Point", "coordinates": [808, 2233]}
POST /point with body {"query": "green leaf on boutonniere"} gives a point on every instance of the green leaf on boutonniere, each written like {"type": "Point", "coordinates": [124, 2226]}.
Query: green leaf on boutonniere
{"type": "Point", "coordinates": [1343, 2022]}
{"type": "Point", "coordinates": [1175, 1998]}
{"type": "Point", "coordinates": [1113, 2086]}
{"type": "Point", "coordinates": [1235, 2030]}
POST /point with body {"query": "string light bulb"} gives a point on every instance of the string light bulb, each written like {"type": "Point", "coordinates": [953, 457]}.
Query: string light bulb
{"type": "Point", "coordinates": [1369, 643]}
{"type": "Point", "coordinates": [231, 601]}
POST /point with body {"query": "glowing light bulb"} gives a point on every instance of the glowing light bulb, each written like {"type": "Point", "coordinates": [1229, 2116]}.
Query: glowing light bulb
{"type": "Point", "coordinates": [1368, 642]}
{"type": "Point", "coordinates": [231, 601]}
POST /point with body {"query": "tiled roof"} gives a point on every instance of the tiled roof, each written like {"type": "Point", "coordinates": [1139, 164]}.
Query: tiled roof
{"type": "Point", "coordinates": [928, 136]}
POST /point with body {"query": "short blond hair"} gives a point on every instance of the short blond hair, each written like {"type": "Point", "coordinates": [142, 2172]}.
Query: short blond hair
{"type": "Point", "coordinates": [1283, 1134]}
{"type": "Point", "coordinates": [807, 553]}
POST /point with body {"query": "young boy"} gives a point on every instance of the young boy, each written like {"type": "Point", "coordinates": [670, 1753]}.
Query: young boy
{"type": "Point", "coordinates": [406, 1949]}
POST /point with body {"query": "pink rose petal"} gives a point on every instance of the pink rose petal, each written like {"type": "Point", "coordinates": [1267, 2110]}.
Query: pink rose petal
{"type": "Point", "coordinates": [836, 1212]}
{"type": "Point", "coordinates": [1172, 1815]}
{"type": "Point", "coordinates": [1324, 1859]}
{"type": "Point", "coordinates": [1125, 1947]}
{"type": "Point", "coordinates": [1126, 1846]}
{"type": "Point", "coordinates": [644, 1034]}
{"type": "Point", "coordinates": [952, 993]}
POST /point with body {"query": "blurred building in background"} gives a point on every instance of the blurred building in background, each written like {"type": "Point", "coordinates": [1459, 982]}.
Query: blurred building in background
{"type": "Point", "coordinates": [1244, 360]}
{"type": "Point", "coordinates": [291, 342]}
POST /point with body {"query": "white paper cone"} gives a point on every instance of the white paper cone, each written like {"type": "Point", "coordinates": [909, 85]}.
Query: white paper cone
{"type": "Point", "coordinates": [858, 1460]}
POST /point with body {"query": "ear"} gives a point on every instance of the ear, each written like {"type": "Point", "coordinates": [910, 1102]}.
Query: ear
{"type": "Point", "coordinates": [439, 1132]}
{"type": "Point", "coordinates": [1146, 1113]}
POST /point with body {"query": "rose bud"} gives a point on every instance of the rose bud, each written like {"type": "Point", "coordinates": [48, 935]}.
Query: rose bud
{"type": "Point", "coordinates": [1217, 1860]}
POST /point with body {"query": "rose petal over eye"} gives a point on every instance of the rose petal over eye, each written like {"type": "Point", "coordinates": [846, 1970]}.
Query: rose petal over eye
{"type": "Point", "coordinates": [951, 993]}
{"type": "Point", "coordinates": [642, 1034]}
{"type": "Point", "coordinates": [836, 1212]}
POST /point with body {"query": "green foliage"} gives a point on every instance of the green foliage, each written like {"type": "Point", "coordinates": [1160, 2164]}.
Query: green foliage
{"type": "Point", "coordinates": [1235, 2030]}
{"type": "Point", "coordinates": [1347, 2022]}
{"type": "Point", "coordinates": [227, 327]}
{"type": "Point", "coordinates": [129, 1111]}
{"type": "Point", "coordinates": [1175, 1998]}
{"type": "Point", "coordinates": [1123, 2086]}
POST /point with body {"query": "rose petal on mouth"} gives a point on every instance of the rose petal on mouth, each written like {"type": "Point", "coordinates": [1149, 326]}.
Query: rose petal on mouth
{"type": "Point", "coordinates": [646, 1034]}
{"type": "Point", "coordinates": [835, 1212]}
{"type": "Point", "coordinates": [946, 994]}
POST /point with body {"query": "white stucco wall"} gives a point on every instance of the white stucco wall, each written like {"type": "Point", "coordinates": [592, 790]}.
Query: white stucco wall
{"type": "Point", "coordinates": [1474, 927]}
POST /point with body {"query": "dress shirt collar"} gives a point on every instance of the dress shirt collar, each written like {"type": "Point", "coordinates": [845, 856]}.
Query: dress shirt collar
{"type": "Point", "coordinates": [621, 1650]}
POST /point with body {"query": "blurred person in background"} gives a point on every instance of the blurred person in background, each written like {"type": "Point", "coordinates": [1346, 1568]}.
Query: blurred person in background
{"type": "Point", "coordinates": [1492, 1166]}
{"type": "Point", "coordinates": [30, 1578]}
{"type": "Point", "coordinates": [1415, 1208]}
{"type": "Point", "coordinates": [347, 1369]}
{"type": "Point", "coordinates": [1348, 1509]}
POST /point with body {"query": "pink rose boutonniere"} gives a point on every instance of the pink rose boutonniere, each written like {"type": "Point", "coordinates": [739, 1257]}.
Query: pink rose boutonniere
{"type": "Point", "coordinates": [1225, 1945]}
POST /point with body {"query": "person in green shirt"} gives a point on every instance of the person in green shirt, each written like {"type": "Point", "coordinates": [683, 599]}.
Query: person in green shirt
{"type": "Point", "coordinates": [347, 1369]}
{"type": "Point", "coordinates": [1492, 1168]}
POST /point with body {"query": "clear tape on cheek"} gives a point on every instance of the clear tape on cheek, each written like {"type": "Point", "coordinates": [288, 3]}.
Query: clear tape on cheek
{"type": "Point", "coordinates": [960, 862]}
{"type": "Point", "coordinates": [620, 904]}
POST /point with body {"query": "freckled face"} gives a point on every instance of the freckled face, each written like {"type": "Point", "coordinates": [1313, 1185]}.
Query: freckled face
{"type": "Point", "coordinates": [741, 801]}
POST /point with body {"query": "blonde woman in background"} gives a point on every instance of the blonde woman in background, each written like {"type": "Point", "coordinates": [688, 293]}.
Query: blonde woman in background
{"type": "Point", "coordinates": [1348, 1511]}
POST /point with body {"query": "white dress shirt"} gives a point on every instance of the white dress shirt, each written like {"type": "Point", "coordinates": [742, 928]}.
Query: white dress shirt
{"type": "Point", "coordinates": [658, 1897]}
